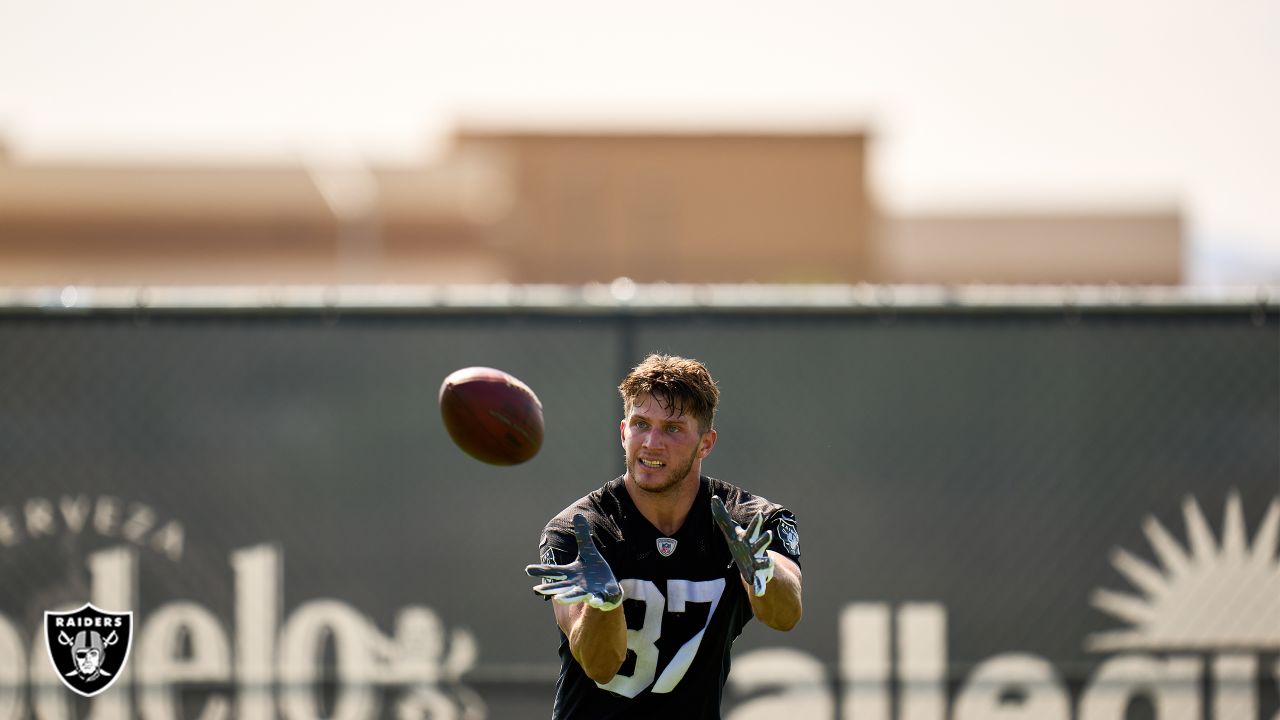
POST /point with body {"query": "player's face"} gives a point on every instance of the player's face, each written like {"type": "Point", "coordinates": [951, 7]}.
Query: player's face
{"type": "Point", "coordinates": [87, 661]}
{"type": "Point", "coordinates": [662, 450]}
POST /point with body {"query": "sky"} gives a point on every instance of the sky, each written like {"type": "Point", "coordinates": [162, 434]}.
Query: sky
{"type": "Point", "coordinates": [971, 106]}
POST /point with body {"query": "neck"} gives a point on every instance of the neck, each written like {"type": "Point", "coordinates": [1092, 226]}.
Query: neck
{"type": "Point", "coordinates": [667, 510]}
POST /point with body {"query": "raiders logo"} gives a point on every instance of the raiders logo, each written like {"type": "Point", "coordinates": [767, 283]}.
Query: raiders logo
{"type": "Point", "coordinates": [88, 647]}
{"type": "Point", "coordinates": [666, 546]}
{"type": "Point", "coordinates": [789, 535]}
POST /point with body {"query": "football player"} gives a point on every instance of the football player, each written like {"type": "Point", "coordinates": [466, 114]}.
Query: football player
{"type": "Point", "coordinates": [657, 572]}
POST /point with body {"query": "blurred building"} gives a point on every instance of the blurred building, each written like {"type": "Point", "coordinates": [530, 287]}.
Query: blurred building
{"type": "Point", "coordinates": [686, 208]}
{"type": "Point", "coordinates": [1141, 245]}
{"type": "Point", "coordinates": [317, 221]}
{"type": "Point", "coordinates": [547, 208]}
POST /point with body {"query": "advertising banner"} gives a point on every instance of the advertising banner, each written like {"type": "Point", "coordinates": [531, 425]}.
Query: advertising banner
{"type": "Point", "coordinates": [1002, 514]}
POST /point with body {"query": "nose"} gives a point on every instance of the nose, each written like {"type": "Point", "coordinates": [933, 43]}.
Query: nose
{"type": "Point", "coordinates": [651, 438]}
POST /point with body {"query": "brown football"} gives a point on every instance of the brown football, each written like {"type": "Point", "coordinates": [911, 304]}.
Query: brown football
{"type": "Point", "coordinates": [491, 415]}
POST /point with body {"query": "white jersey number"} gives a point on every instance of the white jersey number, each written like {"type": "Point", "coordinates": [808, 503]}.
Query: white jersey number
{"type": "Point", "coordinates": [644, 641]}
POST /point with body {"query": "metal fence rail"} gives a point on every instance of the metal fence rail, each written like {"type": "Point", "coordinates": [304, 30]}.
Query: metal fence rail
{"type": "Point", "coordinates": [624, 295]}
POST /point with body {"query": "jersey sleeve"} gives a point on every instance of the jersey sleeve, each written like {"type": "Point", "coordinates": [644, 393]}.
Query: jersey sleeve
{"type": "Point", "coordinates": [743, 506]}
{"type": "Point", "coordinates": [786, 533]}
{"type": "Point", "coordinates": [557, 545]}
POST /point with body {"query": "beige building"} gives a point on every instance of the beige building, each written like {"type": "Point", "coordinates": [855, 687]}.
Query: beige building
{"type": "Point", "coordinates": [305, 223]}
{"type": "Point", "coordinates": [686, 208]}
{"type": "Point", "coordinates": [1141, 246]}
{"type": "Point", "coordinates": [547, 208]}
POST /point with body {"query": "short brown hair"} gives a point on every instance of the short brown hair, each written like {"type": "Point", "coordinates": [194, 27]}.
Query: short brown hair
{"type": "Point", "coordinates": [680, 385]}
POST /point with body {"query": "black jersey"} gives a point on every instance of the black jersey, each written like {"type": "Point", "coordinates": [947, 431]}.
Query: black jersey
{"type": "Point", "coordinates": [684, 601]}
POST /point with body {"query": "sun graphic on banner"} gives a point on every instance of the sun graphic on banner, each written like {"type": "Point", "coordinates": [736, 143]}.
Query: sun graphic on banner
{"type": "Point", "coordinates": [1217, 596]}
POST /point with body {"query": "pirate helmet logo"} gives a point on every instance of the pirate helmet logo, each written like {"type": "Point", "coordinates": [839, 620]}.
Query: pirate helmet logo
{"type": "Point", "coordinates": [88, 647]}
{"type": "Point", "coordinates": [789, 535]}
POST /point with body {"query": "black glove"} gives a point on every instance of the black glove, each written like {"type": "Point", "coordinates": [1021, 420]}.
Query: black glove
{"type": "Point", "coordinates": [749, 548]}
{"type": "Point", "coordinates": [589, 578]}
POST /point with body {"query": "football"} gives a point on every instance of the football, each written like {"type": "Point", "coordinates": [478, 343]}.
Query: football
{"type": "Point", "coordinates": [491, 416]}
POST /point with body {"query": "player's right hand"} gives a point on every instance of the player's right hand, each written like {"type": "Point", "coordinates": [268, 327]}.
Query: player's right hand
{"type": "Point", "coordinates": [588, 579]}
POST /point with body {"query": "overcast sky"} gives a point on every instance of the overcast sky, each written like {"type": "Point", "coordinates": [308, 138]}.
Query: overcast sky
{"type": "Point", "coordinates": [983, 104]}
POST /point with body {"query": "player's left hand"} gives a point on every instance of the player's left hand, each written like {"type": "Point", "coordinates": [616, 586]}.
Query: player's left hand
{"type": "Point", "coordinates": [588, 579]}
{"type": "Point", "coordinates": [750, 547]}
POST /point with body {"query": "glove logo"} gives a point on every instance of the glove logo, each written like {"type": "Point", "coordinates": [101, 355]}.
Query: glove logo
{"type": "Point", "coordinates": [88, 647]}
{"type": "Point", "coordinates": [789, 535]}
{"type": "Point", "coordinates": [666, 546]}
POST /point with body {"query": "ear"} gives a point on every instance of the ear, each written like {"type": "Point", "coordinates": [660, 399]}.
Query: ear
{"type": "Point", "coordinates": [622, 431]}
{"type": "Point", "coordinates": [706, 442]}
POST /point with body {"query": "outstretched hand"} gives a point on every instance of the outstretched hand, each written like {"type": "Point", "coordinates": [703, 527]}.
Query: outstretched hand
{"type": "Point", "coordinates": [750, 548]}
{"type": "Point", "coordinates": [588, 579]}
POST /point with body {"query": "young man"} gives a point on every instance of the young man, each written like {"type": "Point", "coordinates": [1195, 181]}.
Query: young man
{"type": "Point", "coordinates": [662, 552]}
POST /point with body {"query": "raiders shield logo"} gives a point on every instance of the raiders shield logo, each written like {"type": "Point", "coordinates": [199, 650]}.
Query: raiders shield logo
{"type": "Point", "coordinates": [666, 546]}
{"type": "Point", "coordinates": [789, 535]}
{"type": "Point", "coordinates": [88, 647]}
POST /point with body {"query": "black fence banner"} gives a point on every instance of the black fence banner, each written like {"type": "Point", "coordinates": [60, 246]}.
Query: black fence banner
{"type": "Point", "coordinates": [1004, 513]}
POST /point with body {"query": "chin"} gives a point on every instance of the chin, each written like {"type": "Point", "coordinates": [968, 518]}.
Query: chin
{"type": "Point", "coordinates": [654, 485]}
{"type": "Point", "coordinates": [650, 481]}
{"type": "Point", "coordinates": [661, 488]}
